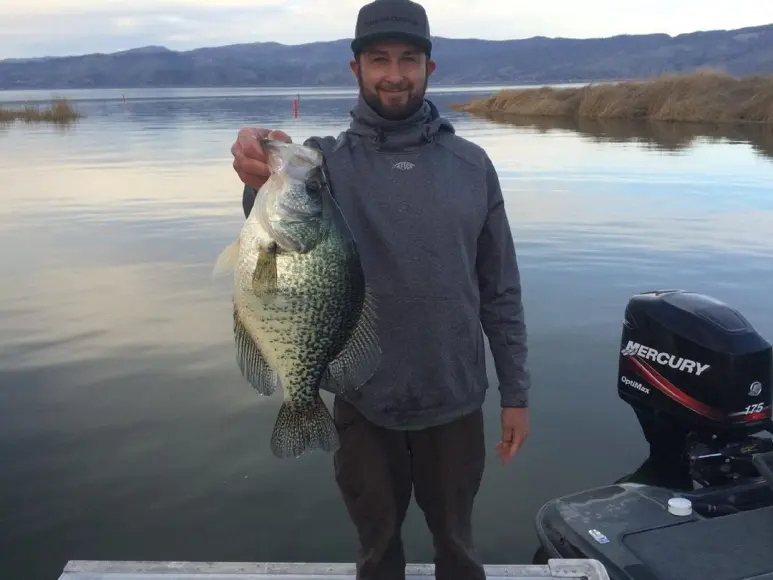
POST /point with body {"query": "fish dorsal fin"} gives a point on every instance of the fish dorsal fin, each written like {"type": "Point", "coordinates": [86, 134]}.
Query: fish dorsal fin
{"type": "Point", "coordinates": [361, 355]}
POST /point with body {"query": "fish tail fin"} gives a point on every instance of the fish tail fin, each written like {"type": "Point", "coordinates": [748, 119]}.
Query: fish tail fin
{"type": "Point", "coordinates": [301, 428]}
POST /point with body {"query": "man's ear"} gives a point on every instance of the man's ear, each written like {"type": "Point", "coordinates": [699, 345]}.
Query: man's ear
{"type": "Point", "coordinates": [430, 66]}
{"type": "Point", "coordinates": [355, 66]}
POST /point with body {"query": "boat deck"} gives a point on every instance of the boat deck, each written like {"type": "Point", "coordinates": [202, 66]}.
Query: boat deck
{"type": "Point", "coordinates": [107, 570]}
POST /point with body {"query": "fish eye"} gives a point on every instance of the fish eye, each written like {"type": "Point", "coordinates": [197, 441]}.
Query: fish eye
{"type": "Point", "coordinates": [314, 181]}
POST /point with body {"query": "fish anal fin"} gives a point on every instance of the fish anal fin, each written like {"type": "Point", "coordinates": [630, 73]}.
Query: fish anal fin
{"type": "Point", "coordinates": [252, 365]}
{"type": "Point", "coordinates": [360, 357]}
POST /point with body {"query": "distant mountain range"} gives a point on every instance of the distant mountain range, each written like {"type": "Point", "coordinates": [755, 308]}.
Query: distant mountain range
{"type": "Point", "coordinates": [460, 62]}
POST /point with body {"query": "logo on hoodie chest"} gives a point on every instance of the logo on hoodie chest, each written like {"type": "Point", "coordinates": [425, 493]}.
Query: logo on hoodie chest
{"type": "Point", "coordinates": [403, 166]}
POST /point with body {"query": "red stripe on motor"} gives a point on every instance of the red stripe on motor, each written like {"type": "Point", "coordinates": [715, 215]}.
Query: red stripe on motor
{"type": "Point", "coordinates": [666, 387]}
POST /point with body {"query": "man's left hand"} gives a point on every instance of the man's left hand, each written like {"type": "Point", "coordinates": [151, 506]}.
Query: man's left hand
{"type": "Point", "coordinates": [515, 430]}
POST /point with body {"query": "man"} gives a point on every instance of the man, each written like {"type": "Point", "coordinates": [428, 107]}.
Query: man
{"type": "Point", "coordinates": [426, 209]}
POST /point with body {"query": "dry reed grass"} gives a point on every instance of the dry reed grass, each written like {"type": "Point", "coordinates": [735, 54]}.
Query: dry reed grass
{"type": "Point", "coordinates": [60, 112]}
{"type": "Point", "coordinates": [705, 95]}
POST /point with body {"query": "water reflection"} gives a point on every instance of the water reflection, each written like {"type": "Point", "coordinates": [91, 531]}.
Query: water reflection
{"type": "Point", "coordinates": [661, 136]}
{"type": "Point", "coordinates": [126, 430]}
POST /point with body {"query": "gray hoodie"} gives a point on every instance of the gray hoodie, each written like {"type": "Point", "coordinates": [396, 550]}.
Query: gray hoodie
{"type": "Point", "coordinates": [426, 209]}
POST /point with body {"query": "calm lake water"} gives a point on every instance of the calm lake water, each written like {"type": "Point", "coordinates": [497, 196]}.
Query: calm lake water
{"type": "Point", "coordinates": [126, 430]}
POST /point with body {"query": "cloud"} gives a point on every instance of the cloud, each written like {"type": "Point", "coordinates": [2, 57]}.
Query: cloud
{"type": "Point", "coordinates": [107, 28]}
{"type": "Point", "coordinates": [59, 27]}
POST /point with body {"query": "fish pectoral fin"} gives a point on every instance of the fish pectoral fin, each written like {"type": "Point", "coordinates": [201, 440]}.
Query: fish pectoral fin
{"type": "Point", "coordinates": [226, 261]}
{"type": "Point", "coordinates": [303, 427]}
{"type": "Point", "coordinates": [264, 277]}
{"type": "Point", "coordinates": [253, 366]}
{"type": "Point", "coordinates": [361, 355]}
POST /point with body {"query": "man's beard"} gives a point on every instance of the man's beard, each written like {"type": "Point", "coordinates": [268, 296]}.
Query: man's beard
{"type": "Point", "coordinates": [415, 101]}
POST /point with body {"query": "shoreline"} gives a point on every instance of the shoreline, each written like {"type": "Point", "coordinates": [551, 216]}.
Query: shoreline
{"type": "Point", "coordinates": [701, 96]}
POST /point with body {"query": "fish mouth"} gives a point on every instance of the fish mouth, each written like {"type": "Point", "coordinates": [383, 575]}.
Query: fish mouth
{"type": "Point", "coordinates": [274, 143]}
{"type": "Point", "coordinates": [294, 153]}
{"type": "Point", "coordinates": [290, 216]}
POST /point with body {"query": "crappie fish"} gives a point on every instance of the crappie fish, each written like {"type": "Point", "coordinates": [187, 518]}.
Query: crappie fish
{"type": "Point", "coordinates": [303, 315]}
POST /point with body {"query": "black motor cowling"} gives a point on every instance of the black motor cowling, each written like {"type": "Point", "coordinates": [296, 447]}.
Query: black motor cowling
{"type": "Point", "coordinates": [697, 374]}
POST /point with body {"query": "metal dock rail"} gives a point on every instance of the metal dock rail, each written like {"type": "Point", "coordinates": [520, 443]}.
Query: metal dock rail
{"type": "Point", "coordinates": [108, 570]}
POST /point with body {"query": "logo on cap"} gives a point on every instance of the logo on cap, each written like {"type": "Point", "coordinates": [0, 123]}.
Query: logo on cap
{"type": "Point", "coordinates": [374, 21]}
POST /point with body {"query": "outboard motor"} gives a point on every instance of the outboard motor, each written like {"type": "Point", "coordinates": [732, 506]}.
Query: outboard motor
{"type": "Point", "coordinates": [699, 378]}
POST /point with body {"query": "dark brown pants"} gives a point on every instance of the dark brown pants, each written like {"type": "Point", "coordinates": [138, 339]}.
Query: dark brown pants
{"type": "Point", "coordinates": [377, 469]}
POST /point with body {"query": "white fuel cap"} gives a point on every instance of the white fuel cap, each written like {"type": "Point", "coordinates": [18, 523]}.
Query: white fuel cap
{"type": "Point", "coordinates": [680, 506]}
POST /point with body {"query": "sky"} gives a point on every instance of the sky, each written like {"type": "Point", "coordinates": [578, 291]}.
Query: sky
{"type": "Point", "coordinates": [31, 28]}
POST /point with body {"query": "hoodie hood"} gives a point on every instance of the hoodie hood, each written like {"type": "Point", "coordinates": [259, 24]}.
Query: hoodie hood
{"type": "Point", "coordinates": [419, 129]}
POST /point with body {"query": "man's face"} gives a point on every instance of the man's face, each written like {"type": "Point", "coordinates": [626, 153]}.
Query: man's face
{"type": "Point", "coordinates": [393, 77]}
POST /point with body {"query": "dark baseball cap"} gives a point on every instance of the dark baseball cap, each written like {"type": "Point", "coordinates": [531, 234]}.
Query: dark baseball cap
{"type": "Point", "coordinates": [392, 19]}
